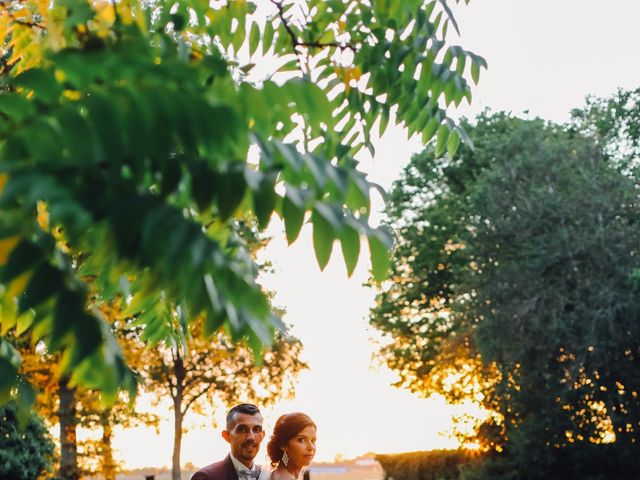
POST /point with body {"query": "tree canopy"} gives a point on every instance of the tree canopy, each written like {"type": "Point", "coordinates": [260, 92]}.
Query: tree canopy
{"type": "Point", "coordinates": [515, 284]}
{"type": "Point", "coordinates": [137, 131]}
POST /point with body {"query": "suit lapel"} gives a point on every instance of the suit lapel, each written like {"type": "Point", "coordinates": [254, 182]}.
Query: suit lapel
{"type": "Point", "coordinates": [230, 469]}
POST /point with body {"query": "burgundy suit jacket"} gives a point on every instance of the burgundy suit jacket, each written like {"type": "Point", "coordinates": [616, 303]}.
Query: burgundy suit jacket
{"type": "Point", "coordinates": [223, 470]}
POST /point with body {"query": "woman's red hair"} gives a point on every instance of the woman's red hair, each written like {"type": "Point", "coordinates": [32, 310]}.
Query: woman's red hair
{"type": "Point", "coordinates": [287, 427]}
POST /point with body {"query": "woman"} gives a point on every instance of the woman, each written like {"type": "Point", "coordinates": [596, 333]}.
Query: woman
{"type": "Point", "coordinates": [292, 446]}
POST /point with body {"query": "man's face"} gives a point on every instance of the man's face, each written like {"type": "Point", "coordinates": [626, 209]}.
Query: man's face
{"type": "Point", "coordinates": [245, 436]}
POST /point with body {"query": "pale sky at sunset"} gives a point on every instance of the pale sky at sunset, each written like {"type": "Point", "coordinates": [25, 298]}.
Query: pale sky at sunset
{"type": "Point", "coordinates": [544, 56]}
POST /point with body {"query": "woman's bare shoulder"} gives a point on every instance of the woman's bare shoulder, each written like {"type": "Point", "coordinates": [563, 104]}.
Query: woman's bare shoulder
{"type": "Point", "coordinates": [265, 473]}
{"type": "Point", "coordinates": [280, 474]}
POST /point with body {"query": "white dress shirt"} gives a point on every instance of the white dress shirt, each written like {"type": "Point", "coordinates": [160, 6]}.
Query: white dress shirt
{"type": "Point", "coordinates": [265, 473]}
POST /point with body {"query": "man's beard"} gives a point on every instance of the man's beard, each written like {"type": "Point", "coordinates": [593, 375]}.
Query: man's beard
{"type": "Point", "coordinates": [249, 445]}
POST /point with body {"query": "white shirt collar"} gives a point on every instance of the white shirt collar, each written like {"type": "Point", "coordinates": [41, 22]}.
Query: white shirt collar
{"type": "Point", "coordinates": [238, 465]}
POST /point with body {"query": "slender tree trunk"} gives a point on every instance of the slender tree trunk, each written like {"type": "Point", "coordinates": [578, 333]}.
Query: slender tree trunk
{"type": "Point", "coordinates": [179, 374]}
{"type": "Point", "coordinates": [68, 423]}
{"type": "Point", "coordinates": [177, 445]}
{"type": "Point", "coordinates": [108, 464]}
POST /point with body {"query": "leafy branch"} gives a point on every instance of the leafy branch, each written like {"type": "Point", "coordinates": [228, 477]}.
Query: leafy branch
{"type": "Point", "coordinates": [296, 42]}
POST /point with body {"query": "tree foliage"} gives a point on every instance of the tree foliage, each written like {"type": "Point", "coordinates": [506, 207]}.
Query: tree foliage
{"type": "Point", "coordinates": [25, 453]}
{"type": "Point", "coordinates": [614, 123]}
{"type": "Point", "coordinates": [516, 277]}
{"type": "Point", "coordinates": [139, 126]}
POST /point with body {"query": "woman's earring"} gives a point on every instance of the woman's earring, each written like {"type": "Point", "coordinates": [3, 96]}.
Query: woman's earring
{"type": "Point", "coordinates": [285, 458]}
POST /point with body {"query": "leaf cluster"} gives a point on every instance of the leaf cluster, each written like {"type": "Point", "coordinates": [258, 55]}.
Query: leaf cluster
{"type": "Point", "coordinates": [135, 123]}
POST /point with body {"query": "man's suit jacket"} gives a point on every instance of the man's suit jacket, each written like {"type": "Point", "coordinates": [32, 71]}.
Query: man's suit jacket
{"type": "Point", "coordinates": [223, 470]}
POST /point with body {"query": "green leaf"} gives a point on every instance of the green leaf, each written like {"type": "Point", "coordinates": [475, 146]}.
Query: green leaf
{"type": "Point", "coordinates": [451, 17]}
{"type": "Point", "coordinates": [239, 36]}
{"type": "Point", "coordinates": [452, 144]}
{"type": "Point", "coordinates": [171, 175]}
{"type": "Point", "coordinates": [464, 136]}
{"type": "Point", "coordinates": [78, 12]}
{"type": "Point", "coordinates": [22, 258]}
{"type": "Point", "coordinates": [293, 219]}
{"type": "Point", "coordinates": [259, 328]}
{"type": "Point", "coordinates": [267, 38]}
{"type": "Point", "coordinates": [475, 72]}
{"type": "Point", "coordinates": [290, 154]}
{"type": "Point", "coordinates": [380, 257]}
{"type": "Point", "coordinates": [332, 213]}
{"type": "Point", "coordinates": [462, 61]}
{"type": "Point", "coordinates": [68, 306]}
{"type": "Point", "coordinates": [106, 122]}
{"type": "Point", "coordinates": [256, 346]}
{"type": "Point", "coordinates": [264, 199]}
{"type": "Point", "coordinates": [384, 122]}
{"type": "Point", "coordinates": [42, 82]}
{"type": "Point", "coordinates": [350, 243]}
{"type": "Point", "coordinates": [204, 184]}
{"type": "Point", "coordinates": [24, 321]}
{"type": "Point", "coordinates": [15, 106]}
{"type": "Point", "coordinates": [44, 283]}
{"type": "Point", "coordinates": [323, 237]}
{"type": "Point", "coordinates": [88, 338]}
{"type": "Point", "coordinates": [339, 177]}
{"type": "Point", "coordinates": [327, 37]}
{"type": "Point", "coordinates": [441, 142]}
{"type": "Point", "coordinates": [301, 197]}
{"type": "Point", "coordinates": [358, 194]}
{"type": "Point", "coordinates": [254, 38]}
{"type": "Point", "coordinates": [8, 378]}
{"type": "Point", "coordinates": [318, 167]}
{"type": "Point", "coordinates": [430, 129]}
{"type": "Point", "coordinates": [232, 188]}
{"type": "Point", "coordinates": [178, 21]}
{"type": "Point", "coordinates": [25, 397]}
{"type": "Point", "coordinates": [49, 143]}
{"type": "Point", "coordinates": [79, 138]}
{"type": "Point", "coordinates": [9, 353]}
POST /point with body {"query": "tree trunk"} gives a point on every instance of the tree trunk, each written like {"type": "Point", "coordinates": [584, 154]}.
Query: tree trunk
{"type": "Point", "coordinates": [179, 374]}
{"type": "Point", "coordinates": [108, 464]}
{"type": "Point", "coordinates": [68, 423]}
{"type": "Point", "coordinates": [177, 444]}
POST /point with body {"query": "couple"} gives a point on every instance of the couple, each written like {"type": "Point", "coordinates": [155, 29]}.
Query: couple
{"type": "Point", "coordinates": [291, 447]}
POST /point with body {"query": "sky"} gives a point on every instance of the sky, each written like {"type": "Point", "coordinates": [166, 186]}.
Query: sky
{"type": "Point", "coordinates": [544, 57]}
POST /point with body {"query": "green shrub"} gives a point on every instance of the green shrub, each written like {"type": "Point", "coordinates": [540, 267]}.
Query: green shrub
{"type": "Point", "coordinates": [25, 454]}
{"type": "Point", "coordinates": [431, 465]}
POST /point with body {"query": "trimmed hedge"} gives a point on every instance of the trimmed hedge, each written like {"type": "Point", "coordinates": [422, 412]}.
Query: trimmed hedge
{"type": "Point", "coordinates": [431, 465]}
{"type": "Point", "coordinates": [585, 461]}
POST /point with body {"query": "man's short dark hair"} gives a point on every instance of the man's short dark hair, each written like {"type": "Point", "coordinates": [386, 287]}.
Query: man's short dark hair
{"type": "Point", "coordinates": [247, 408]}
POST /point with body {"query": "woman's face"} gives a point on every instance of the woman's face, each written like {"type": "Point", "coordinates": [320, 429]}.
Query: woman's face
{"type": "Point", "coordinates": [302, 448]}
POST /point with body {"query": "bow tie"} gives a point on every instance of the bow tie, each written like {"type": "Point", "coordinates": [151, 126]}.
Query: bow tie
{"type": "Point", "coordinates": [249, 474]}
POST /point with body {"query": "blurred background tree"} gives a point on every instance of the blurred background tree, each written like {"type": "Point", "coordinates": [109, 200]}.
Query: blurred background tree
{"type": "Point", "coordinates": [514, 284]}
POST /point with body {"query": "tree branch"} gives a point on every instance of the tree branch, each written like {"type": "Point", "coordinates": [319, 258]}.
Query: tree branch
{"type": "Point", "coordinates": [25, 23]}
{"type": "Point", "coordinates": [295, 43]}
{"type": "Point", "coordinates": [195, 397]}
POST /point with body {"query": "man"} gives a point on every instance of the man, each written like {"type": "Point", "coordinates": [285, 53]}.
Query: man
{"type": "Point", "coordinates": [243, 433]}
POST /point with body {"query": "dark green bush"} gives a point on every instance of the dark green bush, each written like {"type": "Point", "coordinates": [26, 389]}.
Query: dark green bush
{"type": "Point", "coordinates": [431, 465]}
{"type": "Point", "coordinates": [25, 454]}
{"type": "Point", "coordinates": [586, 461]}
